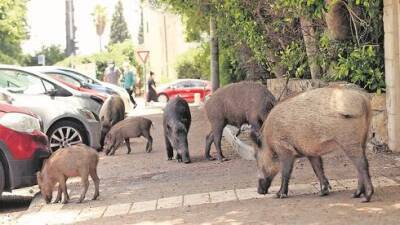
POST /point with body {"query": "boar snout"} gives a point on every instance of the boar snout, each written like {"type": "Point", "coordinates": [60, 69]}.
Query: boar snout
{"type": "Point", "coordinates": [186, 158]}
{"type": "Point", "coordinates": [263, 186]}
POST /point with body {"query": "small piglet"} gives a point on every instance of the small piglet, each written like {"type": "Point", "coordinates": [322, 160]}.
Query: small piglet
{"type": "Point", "coordinates": [131, 127]}
{"type": "Point", "coordinates": [78, 160]}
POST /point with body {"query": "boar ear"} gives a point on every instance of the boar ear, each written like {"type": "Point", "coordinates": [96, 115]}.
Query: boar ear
{"type": "Point", "coordinates": [39, 176]}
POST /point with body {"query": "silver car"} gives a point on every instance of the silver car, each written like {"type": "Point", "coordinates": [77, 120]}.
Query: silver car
{"type": "Point", "coordinates": [69, 117]}
{"type": "Point", "coordinates": [90, 80]}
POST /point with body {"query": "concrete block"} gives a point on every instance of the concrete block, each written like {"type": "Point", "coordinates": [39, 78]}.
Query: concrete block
{"type": "Point", "coordinates": [196, 199]}
{"type": "Point", "coordinates": [118, 209]}
{"type": "Point", "coordinates": [250, 193]}
{"type": "Point", "coordinates": [91, 213]}
{"type": "Point", "coordinates": [223, 196]}
{"type": "Point", "coordinates": [383, 182]}
{"type": "Point", "coordinates": [302, 189]}
{"type": "Point", "coordinates": [171, 202]}
{"type": "Point", "coordinates": [143, 206]}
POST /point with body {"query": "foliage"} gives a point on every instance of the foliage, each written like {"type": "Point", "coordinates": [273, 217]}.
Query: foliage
{"type": "Point", "coordinates": [13, 30]}
{"type": "Point", "coordinates": [119, 53]}
{"type": "Point", "coordinates": [271, 30]}
{"type": "Point", "coordinates": [119, 27]}
{"type": "Point", "coordinates": [52, 53]}
{"type": "Point", "coordinates": [195, 63]}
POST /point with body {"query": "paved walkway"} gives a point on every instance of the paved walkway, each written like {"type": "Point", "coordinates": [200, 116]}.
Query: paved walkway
{"type": "Point", "coordinates": [56, 214]}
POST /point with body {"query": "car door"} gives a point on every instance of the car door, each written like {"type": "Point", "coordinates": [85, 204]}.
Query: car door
{"type": "Point", "coordinates": [200, 88]}
{"type": "Point", "coordinates": [187, 90]}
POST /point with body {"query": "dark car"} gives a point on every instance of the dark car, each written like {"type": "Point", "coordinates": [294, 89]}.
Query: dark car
{"type": "Point", "coordinates": [185, 88]}
{"type": "Point", "coordinates": [22, 147]}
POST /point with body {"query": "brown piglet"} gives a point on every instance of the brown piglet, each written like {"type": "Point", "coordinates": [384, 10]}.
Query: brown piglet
{"type": "Point", "coordinates": [75, 161]}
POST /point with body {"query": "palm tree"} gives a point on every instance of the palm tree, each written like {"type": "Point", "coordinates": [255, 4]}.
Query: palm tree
{"type": "Point", "coordinates": [100, 21]}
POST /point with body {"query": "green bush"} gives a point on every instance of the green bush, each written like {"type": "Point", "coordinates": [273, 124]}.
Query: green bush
{"type": "Point", "coordinates": [195, 63]}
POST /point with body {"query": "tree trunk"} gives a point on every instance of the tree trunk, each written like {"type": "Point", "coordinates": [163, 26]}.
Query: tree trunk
{"type": "Point", "coordinates": [214, 64]}
{"type": "Point", "coordinates": [100, 45]}
{"type": "Point", "coordinates": [310, 41]}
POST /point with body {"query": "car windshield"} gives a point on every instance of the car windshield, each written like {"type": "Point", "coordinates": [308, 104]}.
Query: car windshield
{"type": "Point", "coordinates": [21, 82]}
{"type": "Point", "coordinates": [85, 79]}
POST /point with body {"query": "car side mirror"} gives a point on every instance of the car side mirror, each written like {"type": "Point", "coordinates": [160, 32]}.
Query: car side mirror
{"type": "Point", "coordinates": [52, 92]}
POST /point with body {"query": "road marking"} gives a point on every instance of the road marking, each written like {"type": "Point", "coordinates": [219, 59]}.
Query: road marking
{"type": "Point", "coordinates": [54, 214]}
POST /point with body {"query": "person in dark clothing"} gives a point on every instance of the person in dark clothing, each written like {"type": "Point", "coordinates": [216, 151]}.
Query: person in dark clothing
{"type": "Point", "coordinates": [151, 89]}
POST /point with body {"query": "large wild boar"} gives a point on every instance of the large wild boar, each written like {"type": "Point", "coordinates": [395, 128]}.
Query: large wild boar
{"type": "Point", "coordinates": [78, 160]}
{"type": "Point", "coordinates": [236, 104]}
{"type": "Point", "coordinates": [112, 111]}
{"type": "Point", "coordinates": [177, 120]}
{"type": "Point", "coordinates": [131, 127]}
{"type": "Point", "coordinates": [312, 124]}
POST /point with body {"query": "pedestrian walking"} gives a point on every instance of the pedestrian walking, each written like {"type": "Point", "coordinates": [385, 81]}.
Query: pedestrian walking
{"type": "Point", "coordinates": [112, 74]}
{"type": "Point", "coordinates": [151, 89]}
{"type": "Point", "coordinates": [129, 81]}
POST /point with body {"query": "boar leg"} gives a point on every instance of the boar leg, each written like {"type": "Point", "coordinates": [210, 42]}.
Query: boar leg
{"type": "Point", "coordinates": [217, 142]}
{"type": "Point", "coordinates": [179, 157]}
{"type": "Point", "coordinates": [317, 165]}
{"type": "Point", "coordinates": [287, 160]}
{"type": "Point", "coordinates": [59, 192]}
{"type": "Point", "coordinates": [63, 186]}
{"type": "Point", "coordinates": [85, 184]}
{"type": "Point", "coordinates": [128, 145]}
{"type": "Point", "coordinates": [170, 150]}
{"type": "Point", "coordinates": [149, 145]}
{"type": "Point", "coordinates": [357, 156]}
{"type": "Point", "coordinates": [209, 141]}
{"type": "Point", "coordinates": [96, 181]}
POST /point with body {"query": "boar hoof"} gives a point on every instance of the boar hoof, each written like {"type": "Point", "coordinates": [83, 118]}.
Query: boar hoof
{"type": "Point", "coordinates": [209, 158]}
{"type": "Point", "coordinates": [223, 159]}
{"type": "Point", "coordinates": [357, 194]}
{"type": "Point", "coordinates": [65, 201]}
{"type": "Point", "coordinates": [281, 195]}
{"type": "Point", "coordinates": [169, 158]}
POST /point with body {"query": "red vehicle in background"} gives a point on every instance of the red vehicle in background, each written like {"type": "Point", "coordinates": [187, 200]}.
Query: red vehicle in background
{"type": "Point", "coordinates": [185, 88]}
{"type": "Point", "coordinates": [22, 147]}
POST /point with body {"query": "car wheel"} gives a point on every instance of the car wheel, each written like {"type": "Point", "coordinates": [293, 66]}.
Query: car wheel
{"type": "Point", "coordinates": [66, 133]}
{"type": "Point", "coordinates": [162, 98]}
{"type": "Point", "coordinates": [2, 178]}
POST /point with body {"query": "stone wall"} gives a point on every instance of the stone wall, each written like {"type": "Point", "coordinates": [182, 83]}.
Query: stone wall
{"type": "Point", "coordinates": [378, 130]}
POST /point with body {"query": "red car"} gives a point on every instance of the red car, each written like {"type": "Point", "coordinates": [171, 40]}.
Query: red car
{"type": "Point", "coordinates": [22, 147]}
{"type": "Point", "coordinates": [185, 88]}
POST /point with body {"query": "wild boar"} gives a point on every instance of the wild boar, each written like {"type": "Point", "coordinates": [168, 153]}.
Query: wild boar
{"type": "Point", "coordinates": [236, 104]}
{"type": "Point", "coordinates": [176, 121]}
{"type": "Point", "coordinates": [111, 112]}
{"type": "Point", "coordinates": [312, 124]}
{"type": "Point", "coordinates": [78, 160]}
{"type": "Point", "coordinates": [131, 127]}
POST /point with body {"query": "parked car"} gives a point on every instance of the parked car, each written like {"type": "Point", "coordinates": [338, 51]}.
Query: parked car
{"type": "Point", "coordinates": [69, 117]}
{"type": "Point", "coordinates": [22, 147]}
{"type": "Point", "coordinates": [74, 81]}
{"type": "Point", "coordinates": [185, 88]}
{"type": "Point", "coordinates": [93, 81]}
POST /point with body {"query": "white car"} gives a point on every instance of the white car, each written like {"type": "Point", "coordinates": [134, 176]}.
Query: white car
{"type": "Point", "coordinates": [90, 80]}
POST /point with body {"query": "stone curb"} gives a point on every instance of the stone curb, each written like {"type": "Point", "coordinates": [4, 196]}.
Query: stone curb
{"type": "Point", "coordinates": [244, 150]}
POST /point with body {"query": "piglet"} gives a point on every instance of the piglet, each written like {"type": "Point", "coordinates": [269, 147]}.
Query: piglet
{"type": "Point", "coordinates": [75, 161]}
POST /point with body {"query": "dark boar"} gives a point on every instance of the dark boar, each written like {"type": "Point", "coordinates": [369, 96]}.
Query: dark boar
{"type": "Point", "coordinates": [312, 124]}
{"type": "Point", "coordinates": [236, 104]}
{"type": "Point", "coordinates": [78, 160]}
{"type": "Point", "coordinates": [177, 120]}
{"type": "Point", "coordinates": [131, 127]}
{"type": "Point", "coordinates": [112, 111]}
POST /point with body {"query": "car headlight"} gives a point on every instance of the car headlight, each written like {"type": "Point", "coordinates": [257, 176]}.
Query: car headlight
{"type": "Point", "coordinates": [87, 114]}
{"type": "Point", "coordinates": [20, 122]}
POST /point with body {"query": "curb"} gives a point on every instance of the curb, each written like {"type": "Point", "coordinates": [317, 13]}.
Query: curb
{"type": "Point", "coordinates": [245, 151]}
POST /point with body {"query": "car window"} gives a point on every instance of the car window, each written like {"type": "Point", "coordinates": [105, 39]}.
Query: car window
{"type": "Point", "coordinates": [199, 84]}
{"type": "Point", "coordinates": [64, 78]}
{"type": "Point", "coordinates": [185, 84]}
{"type": "Point", "coordinates": [21, 82]}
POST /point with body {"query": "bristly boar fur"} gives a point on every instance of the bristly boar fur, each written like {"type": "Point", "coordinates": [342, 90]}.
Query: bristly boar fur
{"type": "Point", "coordinates": [312, 124]}
{"type": "Point", "coordinates": [237, 104]}
{"type": "Point", "coordinates": [112, 111]}
{"type": "Point", "coordinates": [77, 160]}
{"type": "Point", "coordinates": [131, 127]}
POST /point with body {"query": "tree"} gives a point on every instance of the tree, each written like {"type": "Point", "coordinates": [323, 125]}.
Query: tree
{"type": "Point", "coordinates": [13, 30]}
{"type": "Point", "coordinates": [100, 21]}
{"type": "Point", "coordinates": [53, 54]}
{"type": "Point", "coordinates": [214, 64]}
{"type": "Point", "coordinates": [119, 28]}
